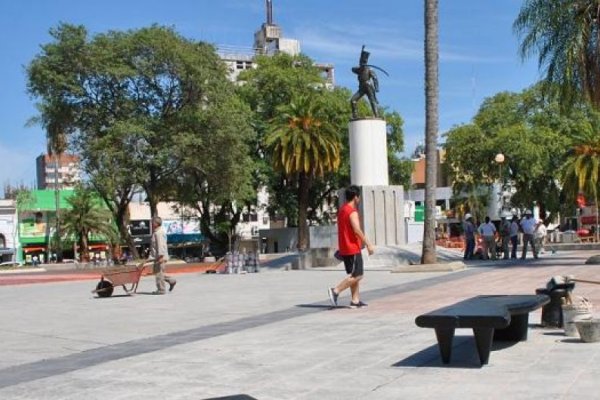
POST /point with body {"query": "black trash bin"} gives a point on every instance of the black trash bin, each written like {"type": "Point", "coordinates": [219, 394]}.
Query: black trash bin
{"type": "Point", "coordinates": [552, 315]}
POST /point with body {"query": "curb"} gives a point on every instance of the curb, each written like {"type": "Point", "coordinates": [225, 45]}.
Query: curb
{"type": "Point", "coordinates": [444, 267]}
{"type": "Point", "coordinates": [22, 270]}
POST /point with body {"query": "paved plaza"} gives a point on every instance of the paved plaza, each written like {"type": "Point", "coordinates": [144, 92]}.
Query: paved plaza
{"type": "Point", "coordinates": [274, 336]}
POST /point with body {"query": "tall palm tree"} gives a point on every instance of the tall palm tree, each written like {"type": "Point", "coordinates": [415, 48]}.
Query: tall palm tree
{"type": "Point", "coordinates": [303, 144]}
{"type": "Point", "coordinates": [57, 145]}
{"type": "Point", "coordinates": [566, 36]}
{"type": "Point", "coordinates": [431, 128]}
{"type": "Point", "coordinates": [581, 172]}
{"type": "Point", "coordinates": [86, 217]}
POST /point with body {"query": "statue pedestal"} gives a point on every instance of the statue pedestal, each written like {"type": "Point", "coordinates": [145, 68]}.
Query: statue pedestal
{"type": "Point", "coordinates": [381, 206]}
{"type": "Point", "coordinates": [368, 152]}
{"type": "Point", "coordinates": [382, 214]}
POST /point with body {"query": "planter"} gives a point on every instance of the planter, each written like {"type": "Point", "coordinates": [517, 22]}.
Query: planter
{"type": "Point", "coordinates": [573, 313]}
{"type": "Point", "coordinates": [589, 330]}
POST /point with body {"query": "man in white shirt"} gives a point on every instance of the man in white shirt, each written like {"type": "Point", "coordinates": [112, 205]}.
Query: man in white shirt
{"type": "Point", "coordinates": [528, 224]}
{"type": "Point", "coordinates": [488, 231]}
{"type": "Point", "coordinates": [539, 236]}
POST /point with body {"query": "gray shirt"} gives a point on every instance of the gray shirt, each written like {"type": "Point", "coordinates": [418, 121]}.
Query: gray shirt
{"type": "Point", "coordinates": [158, 245]}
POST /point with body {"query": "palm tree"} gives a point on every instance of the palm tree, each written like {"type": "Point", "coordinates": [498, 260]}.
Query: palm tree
{"type": "Point", "coordinates": [86, 217]}
{"type": "Point", "coordinates": [303, 144]}
{"type": "Point", "coordinates": [566, 36]}
{"type": "Point", "coordinates": [431, 128]}
{"type": "Point", "coordinates": [581, 171]}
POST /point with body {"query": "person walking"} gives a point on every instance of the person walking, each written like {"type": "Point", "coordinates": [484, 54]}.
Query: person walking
{"type": "Point", "coordinates": [504, 235]}
{"type": "Point", "coordinates": [539, 236]}
{"type": "Point", "coordinates": [488, 231]}
{"type": "Point", "coordinates": [159, 256]}
{"type": "Point", "coordinates": [514, 236]}
{"type": "Point", "coordinates": [528, 224]}
{"type": "Point", "coordinates": [469, 231]}
{"type": "Point", "coordinates": [350, 241]}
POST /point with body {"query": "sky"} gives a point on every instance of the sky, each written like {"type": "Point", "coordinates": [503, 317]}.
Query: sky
{"type": "Point", "coordinates": [478, 52]}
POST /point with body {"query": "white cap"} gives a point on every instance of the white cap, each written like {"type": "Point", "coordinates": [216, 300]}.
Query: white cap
{"type": "Point", "coordinates": [467, 216]}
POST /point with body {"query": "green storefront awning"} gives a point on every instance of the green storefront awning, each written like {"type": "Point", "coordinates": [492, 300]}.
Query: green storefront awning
{"type": "Point", "coordinates": [45, 200]}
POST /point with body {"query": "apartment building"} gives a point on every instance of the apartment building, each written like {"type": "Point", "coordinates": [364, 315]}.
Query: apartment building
{"type": "Point", "coordinates": [53, 170]}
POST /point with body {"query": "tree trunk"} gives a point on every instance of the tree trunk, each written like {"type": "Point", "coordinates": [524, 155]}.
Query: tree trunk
{"type": "Point", "coordinates": [305, 181]}
{"type": "Point", "coordinates": [58, 249]}
{"type": "Point", "coordinates": [431, 128]}
{"type": "Point", "coordinates": [84, 252]}
{"type": "Point", "coordinates": [122, 221]}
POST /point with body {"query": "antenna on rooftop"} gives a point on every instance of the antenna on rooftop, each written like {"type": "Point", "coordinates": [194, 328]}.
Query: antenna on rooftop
{"type": "Point", "coordinates": [269, 12]}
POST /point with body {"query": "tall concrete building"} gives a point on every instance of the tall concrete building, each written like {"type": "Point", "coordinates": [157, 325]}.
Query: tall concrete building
{"type": "Point", "coordinates": [268, 40]}
{"type": "Point", "coordinates": [66, 174]}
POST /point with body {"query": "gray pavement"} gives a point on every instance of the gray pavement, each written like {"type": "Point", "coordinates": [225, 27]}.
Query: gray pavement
{"type": "Point", "coordinates": [273, 335]}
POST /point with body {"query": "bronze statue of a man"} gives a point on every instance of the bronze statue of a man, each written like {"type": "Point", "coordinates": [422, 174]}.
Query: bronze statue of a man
{"type": "Point", "coordinates": [367, 84]}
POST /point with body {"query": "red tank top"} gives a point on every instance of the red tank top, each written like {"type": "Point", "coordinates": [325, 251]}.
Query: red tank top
{"type": "Point", "coordinates": [348, 243]}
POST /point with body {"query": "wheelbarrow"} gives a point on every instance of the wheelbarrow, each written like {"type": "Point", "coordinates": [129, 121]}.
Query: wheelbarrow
{"type": "Point", "coordinates": [119, 276]}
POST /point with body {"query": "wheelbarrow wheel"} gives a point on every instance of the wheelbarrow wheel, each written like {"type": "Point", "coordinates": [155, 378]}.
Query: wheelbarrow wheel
{"type": "Point", "coordinates": [104, 289]}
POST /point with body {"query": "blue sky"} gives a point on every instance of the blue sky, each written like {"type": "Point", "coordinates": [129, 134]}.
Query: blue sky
{"type": "Point", "coordinates": [478, 51]}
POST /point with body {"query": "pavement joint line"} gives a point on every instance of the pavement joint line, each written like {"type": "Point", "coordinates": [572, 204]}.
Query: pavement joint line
{"type": "Point", "coordinates": [28, 372]}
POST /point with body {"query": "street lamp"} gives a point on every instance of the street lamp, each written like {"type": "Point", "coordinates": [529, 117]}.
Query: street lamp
{"type": "Point", "coordinates": [499, 159]}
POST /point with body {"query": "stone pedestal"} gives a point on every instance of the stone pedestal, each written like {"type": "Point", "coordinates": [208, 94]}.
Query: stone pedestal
{"type": "Point", "coordinates": [368, 152]}
{"type": "Point", "coordinates": [382, 213]}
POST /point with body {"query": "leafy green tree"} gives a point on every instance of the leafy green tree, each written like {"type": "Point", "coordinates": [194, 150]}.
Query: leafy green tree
{"type": "Point", "coordinates": [514, 124]}
{"type": "Point", "coordinates": [581, 171]}
{"type": "Point", "coordinates": [399, 169]}
{"type": "Point", "coordinates": [112, 174]}
{"type": "Point", "coordinates": [564, 35]}
{"type": "Point", "coordinates": [428, 255]}
{"type": "Point", "coordinates": [278, 81]}
{"type": "Point", "coordinates": [133, 102]}
{"type": "Point", "coordinates": [303, 145]}
{"type": "Point", "coordinates": [217, 170]}
{"type": "Point", "coordinates": [86, 217]}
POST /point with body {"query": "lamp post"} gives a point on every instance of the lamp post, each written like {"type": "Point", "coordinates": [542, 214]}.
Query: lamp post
{"type": "Point", "coordinates": [499, 159]}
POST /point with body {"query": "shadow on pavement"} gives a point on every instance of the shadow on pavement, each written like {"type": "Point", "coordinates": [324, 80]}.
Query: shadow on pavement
{"type": "Point", "coordinates": [234, 397]}
{"type": "Point", "coordinates": [464, 355]}
{"type": "Point", "coordinates": [323, 306]}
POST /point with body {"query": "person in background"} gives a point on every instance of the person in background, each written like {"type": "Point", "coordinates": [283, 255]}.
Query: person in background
{"type": "Point", "coordinates": [514, 236]}
{"type": "Point", "coordinates": [504, 235]}
{"type": "Point", "coordinates": [539, 236]}
{"type": "Point", "coordinates": [469, 231]}
{"type": "Point", "coordinates": [488, 231]}
{"type": "Point", "coordinates": [528, 224]}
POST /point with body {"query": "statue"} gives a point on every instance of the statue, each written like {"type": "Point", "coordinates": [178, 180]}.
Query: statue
{"type": "Point", "coordinates": [368, 84]}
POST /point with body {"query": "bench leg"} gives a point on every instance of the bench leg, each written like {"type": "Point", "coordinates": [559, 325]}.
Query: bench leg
{"type": "Point", "coordinates": [483, 340]}
{"type": "Point", "coordinates": [516, 331]}
{"type": "Point", "coordinates": [444, 338]}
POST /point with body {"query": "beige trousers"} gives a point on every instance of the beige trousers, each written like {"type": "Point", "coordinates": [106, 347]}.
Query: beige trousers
{"type": "Point", "coordinates": [161, 277]}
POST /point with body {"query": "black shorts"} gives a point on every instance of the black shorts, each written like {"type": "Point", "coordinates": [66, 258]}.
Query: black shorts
{"type": "Point", "coordinates": [354, 265]}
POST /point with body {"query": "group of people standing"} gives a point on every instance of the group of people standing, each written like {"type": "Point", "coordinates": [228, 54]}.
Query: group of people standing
{"type": "Point", "coordinates": [533, 231]}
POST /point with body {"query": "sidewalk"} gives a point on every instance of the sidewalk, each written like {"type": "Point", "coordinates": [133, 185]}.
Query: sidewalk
{"type": "Point", "coordinates": [274, 336]}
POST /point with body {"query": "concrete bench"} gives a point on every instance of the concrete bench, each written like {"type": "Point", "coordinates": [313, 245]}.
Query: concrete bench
{"type": "Point", "coordinates": [494, 317]}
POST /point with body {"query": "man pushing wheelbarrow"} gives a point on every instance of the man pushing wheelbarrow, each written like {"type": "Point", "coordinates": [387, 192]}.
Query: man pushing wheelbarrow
{"type": "Point", "coordinates": [159, 257]}
{"type": "Point", "coordinates": [131, 274]}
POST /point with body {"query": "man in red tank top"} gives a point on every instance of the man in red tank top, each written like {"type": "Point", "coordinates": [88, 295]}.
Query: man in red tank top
{"type": "Point", "coordinates": [350, 241]}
